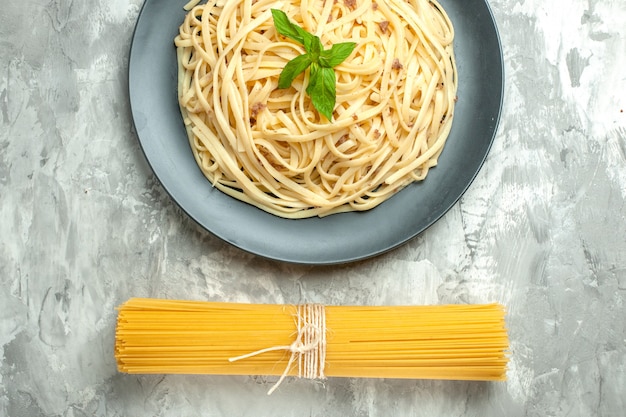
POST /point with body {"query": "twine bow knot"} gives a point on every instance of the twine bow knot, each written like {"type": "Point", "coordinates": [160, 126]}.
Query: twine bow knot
{"type": "Point", "coordinates": [309, 347]}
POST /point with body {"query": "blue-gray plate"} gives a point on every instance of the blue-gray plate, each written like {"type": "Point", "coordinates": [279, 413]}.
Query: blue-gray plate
{"type": "Point", "coordinates": [339, 238]}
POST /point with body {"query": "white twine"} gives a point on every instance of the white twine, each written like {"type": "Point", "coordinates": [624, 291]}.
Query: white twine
{"type": "Point", "coordinates": [309, 347]}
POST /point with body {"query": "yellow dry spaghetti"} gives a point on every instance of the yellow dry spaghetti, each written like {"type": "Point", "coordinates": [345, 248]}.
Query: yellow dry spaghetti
{"type": "Point", "coordinates": [457, 342]}
{"type": "Point", "coordinates": [269, 147]}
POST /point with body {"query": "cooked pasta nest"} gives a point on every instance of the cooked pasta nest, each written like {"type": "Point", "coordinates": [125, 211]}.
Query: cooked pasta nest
{"type": "Point", "coordinates": [269, 147]}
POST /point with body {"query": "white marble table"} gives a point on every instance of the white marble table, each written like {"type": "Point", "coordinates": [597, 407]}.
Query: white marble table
{"type": "Point", "coordinates": [84, 225]}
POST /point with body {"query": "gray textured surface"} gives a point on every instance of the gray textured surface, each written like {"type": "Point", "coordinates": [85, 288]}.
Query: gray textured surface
{"type": "Point", "coordinates": [84, 225]}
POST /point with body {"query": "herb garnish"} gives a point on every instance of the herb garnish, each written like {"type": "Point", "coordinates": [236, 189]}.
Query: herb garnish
{"type": "Point", "coordinates": [320, 62]}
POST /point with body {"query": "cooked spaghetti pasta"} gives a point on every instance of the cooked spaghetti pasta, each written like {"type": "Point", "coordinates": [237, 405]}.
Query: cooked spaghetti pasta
{"type": "Point", "coordinates": [459, 342]}
{"type": "Point", "coordinates": [269, 147]}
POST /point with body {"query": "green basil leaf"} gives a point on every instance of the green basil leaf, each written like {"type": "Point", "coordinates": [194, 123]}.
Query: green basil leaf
{"type": "Point", "coordinates": [307, 38]}
{"type": "Point", "coordinates": [293, 68]}
{"type": "Point", "coordinates": [322, 82]}
{"type": "Point", "coordinates": [321, 89]}
{"type": "Point", "coordinates": [286, 28]}
{"type": "Point", "coordinates": [314, 73]}
{"type": "Point", "coordinates": [338, 53]}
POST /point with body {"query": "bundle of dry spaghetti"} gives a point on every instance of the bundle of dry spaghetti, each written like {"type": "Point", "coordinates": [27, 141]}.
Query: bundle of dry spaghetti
{"type": "Point", "coordinates": [461, 342]}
